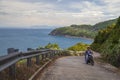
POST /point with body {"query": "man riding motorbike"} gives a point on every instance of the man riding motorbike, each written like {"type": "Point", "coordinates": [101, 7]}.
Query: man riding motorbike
{"type": "Point", "coordinates": [88, 56]}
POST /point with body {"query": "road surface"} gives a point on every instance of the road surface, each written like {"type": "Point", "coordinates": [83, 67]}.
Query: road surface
{"type": "Point", "coordinates": [74, 68]}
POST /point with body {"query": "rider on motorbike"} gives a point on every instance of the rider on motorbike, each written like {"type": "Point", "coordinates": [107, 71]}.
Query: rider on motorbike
{"type": "Point", "coordinates": [88, 52]}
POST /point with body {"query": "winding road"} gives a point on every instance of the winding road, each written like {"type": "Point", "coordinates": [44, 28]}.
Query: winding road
{"type": "Point", "coordinates": [74, 68]}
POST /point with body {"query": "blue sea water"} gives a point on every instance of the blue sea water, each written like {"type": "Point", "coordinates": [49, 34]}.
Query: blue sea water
{"type": "Point", "coordinates": [32, 38]}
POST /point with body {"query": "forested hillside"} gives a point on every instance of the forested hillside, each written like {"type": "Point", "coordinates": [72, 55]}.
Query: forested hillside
{"type": "Point", "coordinates": [87, 31]}
{"type": "Point", "coordinates": [104, 24]}
{"type": "Point", "coordinates": [75, 30]}
{"type": "Point", "coordinates": [107, 42]}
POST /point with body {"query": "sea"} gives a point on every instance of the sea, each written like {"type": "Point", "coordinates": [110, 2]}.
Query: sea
{"type": "Point", "coordinates": [33, 38]}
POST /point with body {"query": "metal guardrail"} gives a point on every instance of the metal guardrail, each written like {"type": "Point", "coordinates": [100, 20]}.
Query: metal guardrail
{"type": "Point", "coordinates": [11, 59]}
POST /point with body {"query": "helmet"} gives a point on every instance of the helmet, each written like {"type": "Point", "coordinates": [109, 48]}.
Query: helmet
{"type": "Point", "coordinates": [88, 47]}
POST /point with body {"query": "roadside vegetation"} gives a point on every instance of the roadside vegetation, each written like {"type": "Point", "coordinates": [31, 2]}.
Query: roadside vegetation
{"type": "Point", "coordinates": [107, 42]}
{"type": "Point", "coordinates": [54, 46]}
{"type": "Point", "coordinates": [78, 47]}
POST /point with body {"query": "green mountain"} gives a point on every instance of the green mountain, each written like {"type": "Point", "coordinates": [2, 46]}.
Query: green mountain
{"type": "Point", "coordinates": [87, 31]}
{"type": "Point", "coordinates": [107, 42]}
{"type": "Point", "coordinates": [74, 30]}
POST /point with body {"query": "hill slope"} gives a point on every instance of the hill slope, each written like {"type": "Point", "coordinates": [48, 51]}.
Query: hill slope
{"type": "Point", "coordinates": [88, 31]}
{"type": "Point", "coordinates": [108, 43]}
{"type": "Point", "coordinates": [74, 30]}
{"type": "Point", "coordinates": [102, 25]}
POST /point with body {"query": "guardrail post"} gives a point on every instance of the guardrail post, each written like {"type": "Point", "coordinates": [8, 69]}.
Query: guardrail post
{"type": "Point", "coordinates": [29, 62]}
{"type": "Point", "coordinates": [46, 55]}
{"type": "Point", "coordinates": [29, 59]}
{"type": "Point", "coordinates": [12, 68]}
{"type": "Point", "coordinates": [50, 54]}
{"type": "Point", "coordinates": [60, 53]}
{"type": "Point", "coordinates": [55, 53]}
{"type": "Point", "coordinates": [38, 60]}
{"type": "Point", "coordinates": [42, 56]}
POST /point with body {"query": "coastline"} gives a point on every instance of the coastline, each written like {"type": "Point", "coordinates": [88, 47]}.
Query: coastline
{"type": "Point", "coordinates": [78, 37]}
{"type": "Point", "coordinates": [68, 36]}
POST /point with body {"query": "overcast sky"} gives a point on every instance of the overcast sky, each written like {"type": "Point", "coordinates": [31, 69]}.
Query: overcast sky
{"type": "Point", "coordinates": [31, 13]}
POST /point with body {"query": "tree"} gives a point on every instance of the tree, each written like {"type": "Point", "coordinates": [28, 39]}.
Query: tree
{"type": "Point", "coordinates": [52, 46]}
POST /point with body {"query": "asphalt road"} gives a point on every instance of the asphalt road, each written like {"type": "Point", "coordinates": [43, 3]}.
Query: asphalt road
{"type": "Point", "coordinates": [74, 68]}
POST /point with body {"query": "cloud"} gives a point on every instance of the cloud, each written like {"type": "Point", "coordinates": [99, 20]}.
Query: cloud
{"type": "Point", "coordinates": [109, 10]}
{"type": "Point", "coordinates": [112, 7]}
{"type": "Point", "coordinates": [17, 13]}
{"type": "Point", "coordinates": [59, 0]}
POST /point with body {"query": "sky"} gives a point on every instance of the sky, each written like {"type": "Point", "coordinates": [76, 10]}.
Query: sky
{"type": "Point", "coordinates": [44, 13]}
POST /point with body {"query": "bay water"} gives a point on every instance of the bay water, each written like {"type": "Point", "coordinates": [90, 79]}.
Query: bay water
{"type": "Point", "coordinates": [33, 38]}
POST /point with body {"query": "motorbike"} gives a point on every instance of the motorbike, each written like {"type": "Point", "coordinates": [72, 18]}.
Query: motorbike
{"type": "Point", "coordinates": [90, 59]}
